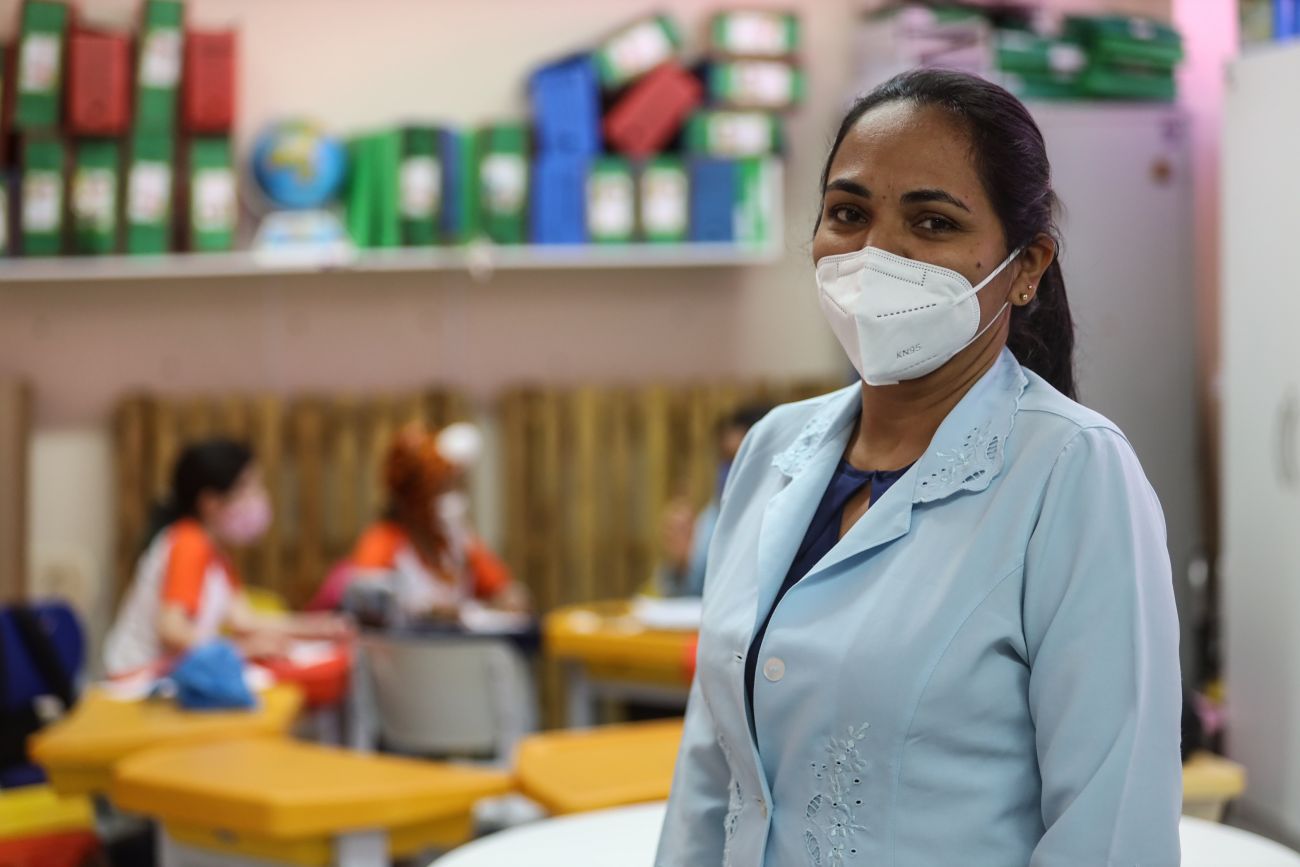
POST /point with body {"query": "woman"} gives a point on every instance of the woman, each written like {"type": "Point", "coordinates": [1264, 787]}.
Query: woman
{"type": "Point", "coordinates": [939, 627]}
{"type": "Point", "coordinates": [186, 591]}
{"type": "Point", "coordinates": [424, 545]}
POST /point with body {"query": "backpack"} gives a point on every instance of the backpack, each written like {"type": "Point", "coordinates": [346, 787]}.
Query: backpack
{"type": "Point", "coordinates": [42, 653]}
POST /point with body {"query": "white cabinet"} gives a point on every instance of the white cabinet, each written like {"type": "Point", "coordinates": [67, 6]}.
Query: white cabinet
{"type": "Point", "coordinates": [1122, 173]}
{"type": "Point", "coordinates": [1261, 435]}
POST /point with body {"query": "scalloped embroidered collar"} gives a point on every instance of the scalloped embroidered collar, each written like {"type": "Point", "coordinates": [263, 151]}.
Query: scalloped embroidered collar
{"type": "Point", "coordinates": [967, 451]}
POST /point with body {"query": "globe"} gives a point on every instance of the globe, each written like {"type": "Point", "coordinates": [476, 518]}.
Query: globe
{"type": "Point", "coordinates": [297, 165]}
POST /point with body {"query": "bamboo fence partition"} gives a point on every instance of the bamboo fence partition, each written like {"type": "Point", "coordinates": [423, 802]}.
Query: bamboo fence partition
{"type": "Point", "coordinates": [320, 457]}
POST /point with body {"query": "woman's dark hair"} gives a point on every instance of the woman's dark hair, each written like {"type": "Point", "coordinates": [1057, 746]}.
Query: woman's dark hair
{"type": "Point", "coordinates": [208, 465]}
{"type": "Point", "coordinates": [1011, 159]}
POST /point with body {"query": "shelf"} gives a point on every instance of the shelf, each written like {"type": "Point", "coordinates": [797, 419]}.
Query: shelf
{"type": "Point", "coordinates": [479, 261]}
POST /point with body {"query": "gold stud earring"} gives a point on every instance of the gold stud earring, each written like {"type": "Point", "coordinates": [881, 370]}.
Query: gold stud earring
{"type": "Point", "coordinates": [1024, 296]}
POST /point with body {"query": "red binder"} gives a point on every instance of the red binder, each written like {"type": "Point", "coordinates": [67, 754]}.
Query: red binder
{"type": "Point", "coordinates": [652, 111]}
{"type": "Point", "coordinates": [99, 83]}
{"type": "Point", "coordinates": [208, 97]}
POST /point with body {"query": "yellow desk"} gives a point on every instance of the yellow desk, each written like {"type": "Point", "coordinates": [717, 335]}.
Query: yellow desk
{"type": "Point", "coordinates": [294, 803]}
{"type": "Point", "coordinates": [1209, 783]}
{"type": "Point", "coordinates": [613, 766]}
{"type": "Point", "coordinates": [79, 752]}
{"type": "Point", "coordinates": [604, 650]}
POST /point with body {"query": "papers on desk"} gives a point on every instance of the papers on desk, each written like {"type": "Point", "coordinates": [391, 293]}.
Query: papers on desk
{"type": "Point", "coordinates": [479, 618]}
{"type": "Point", "coordinates": [307, 654]}
{"type": "Point", "coordinates": [672, 615]}
{"type": "Point", "coordinates": [147, 684]}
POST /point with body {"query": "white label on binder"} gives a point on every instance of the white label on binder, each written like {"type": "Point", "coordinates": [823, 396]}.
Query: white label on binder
{"type": "Point", "coordinates": [421, 187]}
{"type": "Point", "coordinates": [160, 61]}
{"type": "Point", "coordinates": [505, 180]}
{"type": "Point", "coordinates": [40, 63]}
{"type": "Point", "coordinates": [740, 134]}
{"type": "Point", "coordinates": [94, 191]}
{"type": "Point", "coordinates": [610, 204]}
{"type": "Point", "coordinates": [663, 201]}
{"type": "Point", "coordinates": [213, 208]}
{"type": "Point", "coordinates": [42, 201]}
{"type": "Point", "coordinates": [757, 33]}
{"type": "Point", "coordinates": [149, 193]}
{"type": "Point", "coordinates": [640, 49]}
{"type": "Point", "coordinates": [763, 83]}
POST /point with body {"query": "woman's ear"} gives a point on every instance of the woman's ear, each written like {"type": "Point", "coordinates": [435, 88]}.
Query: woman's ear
{"type": "Point", "coordinates": [1033, 262]}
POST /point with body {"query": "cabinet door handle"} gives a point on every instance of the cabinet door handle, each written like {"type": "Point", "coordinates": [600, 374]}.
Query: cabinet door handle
{"type": "Point", "coordinates": [1288, 413]}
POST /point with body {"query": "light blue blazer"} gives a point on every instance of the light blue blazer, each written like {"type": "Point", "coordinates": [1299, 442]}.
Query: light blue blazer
{"type": "Point", "coordinates": [982, 673]}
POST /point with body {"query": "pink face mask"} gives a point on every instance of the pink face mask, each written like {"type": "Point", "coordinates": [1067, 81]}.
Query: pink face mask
{"type": "Point", "coordinates": [244, 520]}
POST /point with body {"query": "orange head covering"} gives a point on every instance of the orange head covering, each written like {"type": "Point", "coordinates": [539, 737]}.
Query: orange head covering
{"type": "Point", "coordinates": [415, 472]}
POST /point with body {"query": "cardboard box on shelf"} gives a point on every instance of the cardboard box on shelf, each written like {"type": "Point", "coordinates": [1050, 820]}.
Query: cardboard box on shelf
{"type": "Point", "coordinates": [208, 104]}
{"type": "Point", "coordinates": [652, 111]}
{"type": "Point", "coordinates": [99, 83]}
{"type": "Point", "coordinates": [558, 198]}
{"type": "Point", "coordinates": [565, 99]}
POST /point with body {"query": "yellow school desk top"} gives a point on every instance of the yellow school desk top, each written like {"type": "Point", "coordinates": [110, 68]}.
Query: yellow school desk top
{"type": "Point", "coordinates": [610, 642]}
{"type": "Point", "coordinates": [80, 751]}
{"type": "Point", "coordinates": [278, 788]}
{"type": "Point", "coordinates": [1210, 777]}
{"type": "Point", "coordinates": [577, 771]}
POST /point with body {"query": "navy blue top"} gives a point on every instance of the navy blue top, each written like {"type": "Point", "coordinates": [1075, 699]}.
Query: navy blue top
{"type": "Point", "coordinates": [823, 533]}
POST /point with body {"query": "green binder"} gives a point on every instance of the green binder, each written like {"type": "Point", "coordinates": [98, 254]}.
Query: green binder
{"type": "Point", "coordinates": [96, 196]}
{"type": "Point", "coordinates": [503, 182]}
{"type": "Point", "coordinates": [611, 201]}
{"type": "Point", "coordinates": [149, 193]}
{"type": "Point", "coordinates": [663, 200]}
{"type": "Point", "coordinates": [39, 85]}
{"type": "Point", "coordinates": [43, 197]}
{"type": "Point", "coordinates": [420, 182]}
{"type": "Point", "coordinates": [213, 209]}
{"type": "Point", "coordinates": [158, 74]}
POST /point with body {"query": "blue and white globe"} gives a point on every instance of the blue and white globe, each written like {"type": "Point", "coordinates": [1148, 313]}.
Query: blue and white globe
{"type": "Point", "coordinates": [297, 165]}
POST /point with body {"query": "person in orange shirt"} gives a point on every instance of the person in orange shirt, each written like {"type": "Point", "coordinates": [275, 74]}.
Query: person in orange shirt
{"type": "Point", "coordinates": [186, 590]}
{"type": "Point", "coordinates": [424, 545]}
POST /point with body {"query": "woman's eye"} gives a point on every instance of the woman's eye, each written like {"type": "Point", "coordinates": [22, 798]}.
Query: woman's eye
{"type": "Point", "coordinates": [937, 225]}
{"type": "Point", "coordinates": [847, 214]}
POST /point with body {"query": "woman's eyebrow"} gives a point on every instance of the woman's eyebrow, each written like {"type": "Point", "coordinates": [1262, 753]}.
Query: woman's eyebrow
{"type": "Point", "coordinates": [851, 187]}
{"type": "Point", "coordinates": [932, 195]}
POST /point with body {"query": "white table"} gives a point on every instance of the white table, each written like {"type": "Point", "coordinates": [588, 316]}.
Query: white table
{"type": "Point", "coordinates": [628, 837]}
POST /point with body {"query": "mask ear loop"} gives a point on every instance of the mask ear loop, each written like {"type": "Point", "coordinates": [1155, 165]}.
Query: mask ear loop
{"type": "Point", "coordinates": [995, 272]}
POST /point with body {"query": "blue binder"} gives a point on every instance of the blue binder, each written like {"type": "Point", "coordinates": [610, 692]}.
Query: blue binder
{"type": "Point", "coordinates": [557, 209]}
{"type": "Point", "coordinates": [1286, 19]}
{"type": "Point", "coordinates": [565, 98]}
{"type": "Point", "coordinates": [714, 190]}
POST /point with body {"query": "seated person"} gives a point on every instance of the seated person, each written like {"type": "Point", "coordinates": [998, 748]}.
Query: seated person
{"type": "Point", "coordinates": [185, 590]}
{"type": "Point", "coordinates": [424, 547]}
{"type": "Point", "coordinates": [686, 534]}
